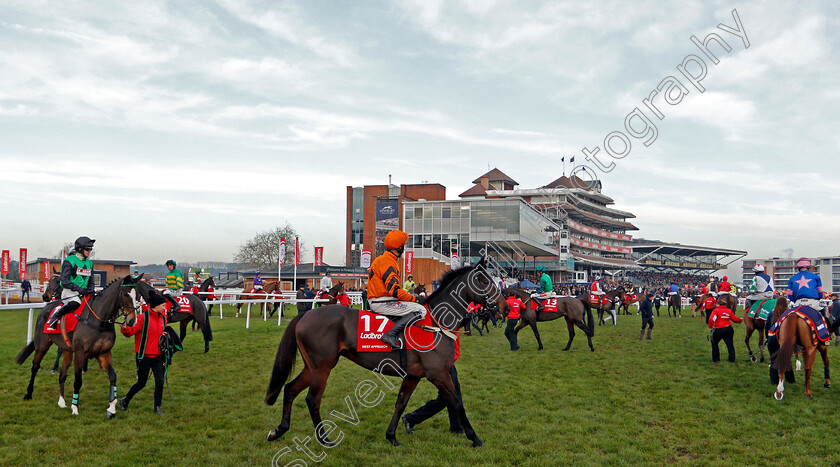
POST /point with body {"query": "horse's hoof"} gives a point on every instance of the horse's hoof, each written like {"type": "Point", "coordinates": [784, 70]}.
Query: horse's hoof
{"type": "Point", "coordinates": [273, 434]}
{"type": "Point", "coordinates": [564, 350]}
{"type": "Point", "coordinates": [540, 348]}
{"type": "Point", "coordinates": [779, 395]}
{"type": "Point", "coordinates": [477, 443]}
{"type": "Point", "coordinates": [394, 442]}
{"type": "Point", "coordinates": [592, 349]}
{"type": "Point", "coordinates": [27, 397]}
{"type": "Point", "coordinates": [753, 359]}
{"type": "Point", "coordinates": [109, 415]}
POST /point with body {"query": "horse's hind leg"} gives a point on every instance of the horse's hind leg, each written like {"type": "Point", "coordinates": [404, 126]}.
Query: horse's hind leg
{"type": "Point", "coordinates": [826, 373]}
{"type": "Point", "coordinates": [36, 364]}
{"type": "Point", "coordinates": [403, 396]}
{"type": "Point", "coordinates": [313, 398]}
{"type": "Point", "coordinates": [586, 331]}
{"type": "Point", "coordinates": [747, 341]}
{"type": "Point", "coordinates": [290, 392]}
{"type": "Point", "coordinates": [571, 327]}
{"type": "Point", "coordinates": [536, 334]}
{"type": "Point", "coordinates": [810, 356]}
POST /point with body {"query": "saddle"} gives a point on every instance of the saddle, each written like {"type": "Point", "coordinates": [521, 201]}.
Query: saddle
{"type": "Point", "coordinates": [68, 321]}
{"type": "Point", "coordinates": [371, 327]}
{"type": "Point", "coordinates": [762, 309]}
{"type": "Point", "coordinates": [811, 316]}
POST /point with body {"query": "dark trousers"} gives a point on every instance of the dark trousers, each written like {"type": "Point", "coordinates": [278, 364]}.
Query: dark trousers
{"type": "Point", "coordinates": [510, 331]}
{"type": "Point", "coordinates": [772, 348]}
{"type": "Point", "coordinates": [647, 322]}
{"type": "Point", "coordinates": [25, 294]}
{"type": "Point", "coordinates": [155, 364]}
{"type": "Point", "coordinates": [436, 405]}
{"type": "Point", "coordinates": [725, 334]}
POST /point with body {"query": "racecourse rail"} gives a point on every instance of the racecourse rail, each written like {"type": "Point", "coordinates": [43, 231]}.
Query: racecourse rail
{"type": "Point", "coordinates": [224, 297]}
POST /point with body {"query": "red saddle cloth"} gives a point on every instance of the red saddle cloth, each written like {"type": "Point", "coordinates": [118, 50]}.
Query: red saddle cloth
{"type": "Point", "coordinates": [593, 300]}
{"type": "Point", "coordinates": [184, 301]}
{"type": "Point", "coordinates": [372, 326]}
{"type": "Point", "coordinates": [70, 320]}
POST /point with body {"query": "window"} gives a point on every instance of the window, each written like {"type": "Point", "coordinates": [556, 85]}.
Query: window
{"type": "Point", "coordinates": [409, 213]}
{"type": "Point", "coordinates": [418, 213]}
{"type": "Point", "coordinates": [446, 212]}
{"type": "Point", "coordinates": [436, 212]}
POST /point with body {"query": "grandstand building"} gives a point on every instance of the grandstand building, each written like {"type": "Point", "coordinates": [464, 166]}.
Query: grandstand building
{"type": "Point", "coordinates": [781, 270]}
{"type": "Point", "coordinates": [657, 256]}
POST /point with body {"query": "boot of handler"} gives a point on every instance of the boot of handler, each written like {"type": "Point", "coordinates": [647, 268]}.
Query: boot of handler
{"type": "Point", "coordinates": [648, 334]}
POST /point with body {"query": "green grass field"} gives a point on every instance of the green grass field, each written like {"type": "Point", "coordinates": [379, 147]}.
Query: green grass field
{"type": "Point", "coordinates": [629, 402]}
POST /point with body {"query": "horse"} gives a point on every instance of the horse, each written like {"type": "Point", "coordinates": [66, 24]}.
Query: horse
{"type": "Point", "coordinates": [609, 307]}
{"type": "Point", "coordinates": [269, 287]}
{"type": "Point", "coordinates": [574, 309]}
{"type": "Point", "coordinates": [94, 337]}
{"type": "Point", "coordinates": [323, 337]}
{"type": "Point", "coordinates": [53, 289]}
{"type": "Point", "coordinates": [675, 302]}
{"type": "Point", "coordinates": [205, 288]}
{"type": "Point", "coordinates": [791, 332]}
{"type": "Point", "coordinates": [628, 300]}
{"type": "Point", "coordinates": [698, 306]}
{"type": "Point", "coordinates": [479, 319]}
{"type": "Point", "coordinates": [198, 314]}
{"type": "Point", "coordinates": [331, 295]}
{"type": "Point", "coordinates": [757, 324]}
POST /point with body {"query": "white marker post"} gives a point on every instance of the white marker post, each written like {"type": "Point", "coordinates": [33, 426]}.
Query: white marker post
{"type": "Point", "coordinates": [248, 318]}
{"type": "Point", "coordinates": [29, 328]}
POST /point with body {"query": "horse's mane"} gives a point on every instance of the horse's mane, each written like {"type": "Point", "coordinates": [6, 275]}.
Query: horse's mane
{"type": "Point", "coordinates": [448, 278]}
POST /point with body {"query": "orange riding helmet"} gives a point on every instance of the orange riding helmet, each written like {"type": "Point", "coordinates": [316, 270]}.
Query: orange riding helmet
{"type": "Point", "coordinates": [395, 239]}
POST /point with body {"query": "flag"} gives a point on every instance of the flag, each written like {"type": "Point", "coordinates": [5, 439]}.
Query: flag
{"type": "Point", "coordinates": [409, 262]}
{"type": "Point", "coordinates": [319, 256]}
{"type": "Point", "coordinates": [4, 268]}
{"type": "Point", "coordinates": [297, 252]}
{"type": "Point", "coordinates": [22, 264]}
{"type": "Point", "coordinates": [364, 261]}
{"type": "Point", "coordinates": [282, 251]}
{"type": "Point", "coordinates": [47, 271]}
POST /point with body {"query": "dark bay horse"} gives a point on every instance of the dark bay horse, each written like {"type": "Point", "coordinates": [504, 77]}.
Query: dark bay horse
{"type": "Point", "coordinates": [757, 324]}
{"type": "Point", "coordinates": [794, 331]}
{"type": "Point", "coordinates": [93, 338]}
{"type": "Point", "coordinates": [198, 314]}
{"type": "Point", "coordinates": [574, 309]}
{"type": "Point", "coordinates": [331, 295]}
{"type": "Point", "coordinates": [330, 333]}
{"type": "Point", "coordinates": [675, 302]}
{"type": "Point", "coordinates": [53, 289]}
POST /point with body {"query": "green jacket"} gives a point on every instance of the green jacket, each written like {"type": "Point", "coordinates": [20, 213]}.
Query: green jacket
{"type": "Point", "coordinates": [545, 283]}
{"type": "Point", "coordinates": [174, 280]}
{"type": "Point", "coordinates": [75, 273]}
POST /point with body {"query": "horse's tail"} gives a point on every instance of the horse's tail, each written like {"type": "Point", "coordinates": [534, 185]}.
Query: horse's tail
{"type": "Point", "coordinates": [284, 362]}
{"type": "Point", "coordinates": [785, 352]}
{"type": "Point", "coordinates": [591, 322]}
{"type": "Point", "coordinates": [25, 353]}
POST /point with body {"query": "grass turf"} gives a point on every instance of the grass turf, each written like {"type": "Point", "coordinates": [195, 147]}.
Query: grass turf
{"type": "Point", "coordinates": [629, 402]}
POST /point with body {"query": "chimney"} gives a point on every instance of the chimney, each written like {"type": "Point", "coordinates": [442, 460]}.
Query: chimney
{"type": "Point", "coordinates": [485, 183]}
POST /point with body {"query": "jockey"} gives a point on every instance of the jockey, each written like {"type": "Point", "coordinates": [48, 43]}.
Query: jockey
{"type": "Point", "coordinates": [546, 286]}
{"type": "Point", "coordinates": [723, 286]}
{"type": "Point", "coordinates": [596, 290]}
{"type": "Point", "coordinates": [75, 279]}
{"type": "Point", "coordinates": [326, 282]}
{"type": "Point", "coordinates": [258, 283]}
{"type": "Point", "coordinates": [761, 287]}
{"type": "Point", "coordinates": [805, 287]}
{"type": "Point", "coordinates": [409, 283]}
{"type": "Point", "coordinates": [673, 290]}
{"type": "Point", "coordinates": [384, 292]}
{"type": "Point", "coordinates": [174, 285]}
{"type": "Point", "coordinates": [704, 290]}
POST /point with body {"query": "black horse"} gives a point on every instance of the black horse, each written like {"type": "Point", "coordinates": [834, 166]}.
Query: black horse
{"type": "Point", "coordinates": [198, 313]}
{"type": "Point", "coordinates": [324, 336]}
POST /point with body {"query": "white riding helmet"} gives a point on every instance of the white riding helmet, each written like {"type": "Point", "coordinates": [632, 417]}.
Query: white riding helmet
{"type": "Point", "coordinates": [597, 278]}
{"type": "Point", "coordinates": [758, 268]}
{"type": "Point", "coordinates": [713, 294]}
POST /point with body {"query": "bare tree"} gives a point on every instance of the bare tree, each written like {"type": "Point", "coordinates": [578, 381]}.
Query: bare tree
{"type": "Point", "coordinates": [261, 252]}
{"type": "Point", "coordinates": [64, 251]}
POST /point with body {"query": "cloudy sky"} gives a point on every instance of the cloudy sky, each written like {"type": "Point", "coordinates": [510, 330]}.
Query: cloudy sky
{"type": "Point", "coordinates": [176, 129]}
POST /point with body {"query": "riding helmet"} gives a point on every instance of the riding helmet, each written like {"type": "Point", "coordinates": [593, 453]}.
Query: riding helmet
{"type": "Point", "coordinates": [172, 262]}
{"type": "Point", "coordinates": [395, 239]}
{"type": "Point", "coordinates": [84, 242]}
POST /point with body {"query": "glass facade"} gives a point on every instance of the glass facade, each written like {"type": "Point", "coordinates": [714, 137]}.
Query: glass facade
{"type": "Point", "coordinates": [357, 216]}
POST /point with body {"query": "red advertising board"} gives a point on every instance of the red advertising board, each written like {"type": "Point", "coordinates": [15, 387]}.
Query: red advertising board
{"type": "Point", "coordinates": [47, 271]}
{"type": "Point", "coordinates": [409, 262]}
{"type": "Point", "coordinates": [297, 251]}
{"type": "Point", "coordinates": [319, 256]}
{"type": "Point", "coordinates": [22, 264]}
{"type": "Point", "coordinates": [4, 267]}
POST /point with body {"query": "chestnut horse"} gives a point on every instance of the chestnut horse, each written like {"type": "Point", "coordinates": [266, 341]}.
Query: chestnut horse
{"type": "Point", "coordinates": [93, 338]}
{"type": "Point", "coordinates": [794, 331]}
{"type": "Point", "coordinates": [269, 286]}
{"type": "Point", "coordinates": [757, 324]}
{"type": "Point", "coordinates": [610, 306]}
{"type": "Point", "coordinates": [323, 337]}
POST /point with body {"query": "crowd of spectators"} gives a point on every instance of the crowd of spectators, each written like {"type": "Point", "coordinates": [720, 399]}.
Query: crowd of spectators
{"type": "Point", "coordinates": [659, 280]}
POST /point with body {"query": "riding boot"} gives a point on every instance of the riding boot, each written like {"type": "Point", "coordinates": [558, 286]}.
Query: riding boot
{"type": "Point", "coordinates": [392, 336]}
{"type": "Point", "coordinates": [68, 308]}
{"type": "Point", "coordinates": [648, 334]}
{"type": "Point", "coordinates": [641, 334]}
{"type": "Point", "coordinates": [175, 306]}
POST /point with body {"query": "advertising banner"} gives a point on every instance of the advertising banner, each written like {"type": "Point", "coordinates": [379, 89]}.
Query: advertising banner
{"type": "Point", "coordinates": [4, 267]}
{"type": "Point", "coordinates": [409, 262]}
{"type": "Point", "coordinates": [365, 259]}
{"type": "Point", "coordinates": [22, 264]}
{"type": "Point", "coordinates": [319, 256]}
{"type": "Point", "coordinates": [282, 250]}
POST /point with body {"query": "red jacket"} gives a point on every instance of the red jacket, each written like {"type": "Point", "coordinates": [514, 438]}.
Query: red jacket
{"type": "Point", "coordinates": [473, 308]}
{"type": "Point", "coordinates": [344, 299]}
{"type": "Point", "coordinates": [724, 287]}
{"type": "Point", "coordinates": [457, 348]}
{"type": "Point", "coordinates": [515, 305]}
{"type": "Point", "coordinates": [721, 317]}
{"type": "Point", "coordinates": [157, 322]}
{"type": "Point", "coordinates": [704, 290]}
{"type": "Point", "coordinates": [710, 303]}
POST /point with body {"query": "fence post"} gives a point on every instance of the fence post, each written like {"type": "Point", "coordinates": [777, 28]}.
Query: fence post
{"type": "Point", "coordinates": [248, 318]}
{"type": "Point", "coordinates": [280, 315]}
{"type": "Point", "coordinates": [29, 328]}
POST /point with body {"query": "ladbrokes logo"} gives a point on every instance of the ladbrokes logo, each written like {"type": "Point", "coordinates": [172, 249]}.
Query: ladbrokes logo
{"type": "Point", "coordinates": [370, 335]}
